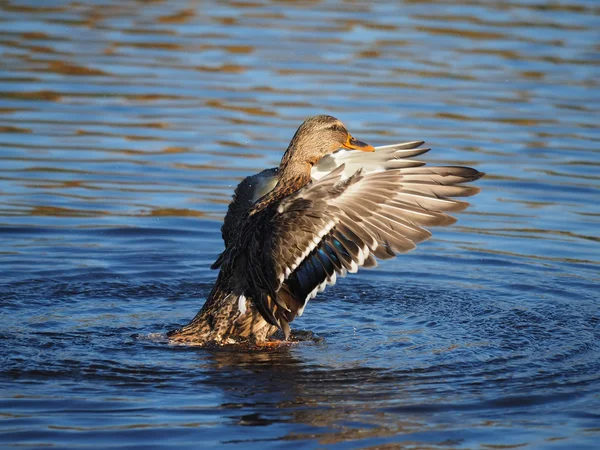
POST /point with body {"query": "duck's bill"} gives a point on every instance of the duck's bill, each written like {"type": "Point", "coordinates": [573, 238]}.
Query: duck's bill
{"type": "Point", "coordinates": [354, 144]}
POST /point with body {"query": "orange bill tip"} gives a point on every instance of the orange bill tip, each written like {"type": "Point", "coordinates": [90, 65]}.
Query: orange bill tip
{"type": "Point", "coordinates": [354, 144]}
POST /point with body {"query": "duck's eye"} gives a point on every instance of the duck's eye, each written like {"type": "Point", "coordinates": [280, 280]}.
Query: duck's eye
{"type": "Point", "coordinates": [337, 128]}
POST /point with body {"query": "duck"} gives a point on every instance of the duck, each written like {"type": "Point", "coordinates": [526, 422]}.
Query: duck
{"type": "Point", "coordinates": [333, 204]}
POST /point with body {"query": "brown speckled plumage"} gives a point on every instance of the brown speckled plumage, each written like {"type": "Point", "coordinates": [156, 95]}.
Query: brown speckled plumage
{"type": "Point", "coordinates": [324, 217]}
{"type": "Point", "coordinates": [221, 322]}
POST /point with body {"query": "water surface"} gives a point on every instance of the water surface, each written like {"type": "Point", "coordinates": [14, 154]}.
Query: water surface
{"type": "Point", "coordinates": [125, 126]}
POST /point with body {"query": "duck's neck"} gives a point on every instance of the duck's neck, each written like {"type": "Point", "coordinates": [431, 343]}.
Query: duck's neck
{"type": "Point", "coordinates": [292, 174]}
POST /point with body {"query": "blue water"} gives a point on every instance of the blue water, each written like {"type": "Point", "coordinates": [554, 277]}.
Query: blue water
{"type": "Point", "coordinates": [124, 128]}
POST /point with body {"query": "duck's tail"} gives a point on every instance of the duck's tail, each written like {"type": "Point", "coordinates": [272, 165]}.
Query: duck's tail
{"type": "Point", "coordinates": [225, 318]}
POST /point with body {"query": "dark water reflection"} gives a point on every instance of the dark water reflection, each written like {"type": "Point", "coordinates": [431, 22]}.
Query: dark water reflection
{"type": "Point", "coordinates": [124, 127]}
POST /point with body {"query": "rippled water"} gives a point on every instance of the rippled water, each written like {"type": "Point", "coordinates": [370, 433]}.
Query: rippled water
{"type": "Point", "coordinates": [124, 127]}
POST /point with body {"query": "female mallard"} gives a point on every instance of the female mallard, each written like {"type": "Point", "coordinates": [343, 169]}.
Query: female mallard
{"type": "Point", "coordinates": [292, 230]}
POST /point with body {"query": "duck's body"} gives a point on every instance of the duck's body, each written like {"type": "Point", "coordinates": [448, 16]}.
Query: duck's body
{"type": "Point", "coordinates": [292, 230]}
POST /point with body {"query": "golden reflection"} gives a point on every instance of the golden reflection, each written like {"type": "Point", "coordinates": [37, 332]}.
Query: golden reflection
{"type": "Point", "coordinates": [46, 95]}
{"type": "Point", "coordinates": [42, 9]}
{"type": "Point", "coordinates": [532, 74]}
{"type": "Point", "coordinates": [178, 212]}
{"type": "Point", "coordinates": [68, 68]}
{"type": "Point", "coordinates": [173, 150]}
{"type": "Point", "coordinates": [228, 68]}
{"type": "Point", "coordinates": [242, 4]}
{"type": "Point", "coordinates": [146, 31]}
{"type": "Point", "coordinates": [265, 15]}
{"type": "Point", "coordinates": [12, 129]}
{"type": "Point", "coordinates": [35, 35]}
{"type": "Point", "coordinates": [178, 17]}
{"type": "Point", "coordinates": [225, 20]}
{"type": "Point", "coordinates": [463, 19]}
{"type": "Point", "coordinates": [369, 54]}
{"type": "Point", "coordinates": [40, 49]}
{"type": "Point", "coordinates": [239, 49]}
{"type": "Point", "coordinates": [64, 212]}
{"type": "Point", "coordinates": [252, 110]}
{"type": "Point", "coordinates": [440, 74]}
{"type": "Point", "coordinates": [465, 33]}
{"type": "Point", "coordinates": [152, 45]}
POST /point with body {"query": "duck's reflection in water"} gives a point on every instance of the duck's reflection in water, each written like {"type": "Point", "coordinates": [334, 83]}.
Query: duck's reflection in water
{"type": "Point", "coordinates": [277, 387]}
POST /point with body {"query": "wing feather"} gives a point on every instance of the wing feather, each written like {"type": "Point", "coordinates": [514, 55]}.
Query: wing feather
{"type": "Point", "coordinates": [384, 158]}
{"type": "Point", "coordinates": [360, 207]}
{"type": "Point", "coordinates": [337, 224]}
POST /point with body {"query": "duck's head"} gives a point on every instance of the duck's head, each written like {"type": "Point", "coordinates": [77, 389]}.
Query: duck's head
{"type": "Point", "coordinates": [319, 136]}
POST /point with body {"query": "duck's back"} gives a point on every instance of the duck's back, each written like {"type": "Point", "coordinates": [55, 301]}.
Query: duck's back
{"type": "Point", "coordinates": [246, 194]}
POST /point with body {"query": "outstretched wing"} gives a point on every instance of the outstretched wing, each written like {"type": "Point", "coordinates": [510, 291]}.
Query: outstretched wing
{"type": "Point", "coordinates": [385, 157]}
{"type": "Point", "coordinates": [254, 187]}
{"type": "Point", "coordinates": [334, 225]}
